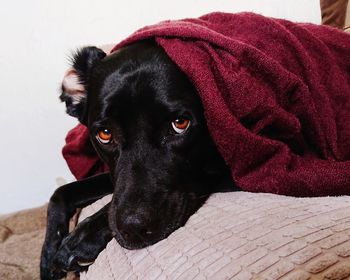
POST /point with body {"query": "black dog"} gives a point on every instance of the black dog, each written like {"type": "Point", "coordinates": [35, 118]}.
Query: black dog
{"type": "Point", "coordinates": [147, 123]}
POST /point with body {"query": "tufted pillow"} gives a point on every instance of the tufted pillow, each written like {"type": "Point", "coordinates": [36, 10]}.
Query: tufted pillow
{"type": "Point", "coordinates": [241, 236]}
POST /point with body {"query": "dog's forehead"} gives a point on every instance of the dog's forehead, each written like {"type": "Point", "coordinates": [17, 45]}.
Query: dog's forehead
{"type": "Point", "coordinates": [149, 84]}
{"type": "Point", "coordinates": [142, 93]}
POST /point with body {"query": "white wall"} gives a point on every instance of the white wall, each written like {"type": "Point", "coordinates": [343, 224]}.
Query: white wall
{"type": "Point", "coordinates": [36, 39]}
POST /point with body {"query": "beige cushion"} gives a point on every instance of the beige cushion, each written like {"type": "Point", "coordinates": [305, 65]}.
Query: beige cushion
{"type": "Point", "coordinates": [21, 237]}
{"type": "Point", "coordinates": [242, 236]}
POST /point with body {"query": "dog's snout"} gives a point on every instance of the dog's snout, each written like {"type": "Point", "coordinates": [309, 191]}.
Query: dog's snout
{"type": "Point", "coordinates": [135, 228]}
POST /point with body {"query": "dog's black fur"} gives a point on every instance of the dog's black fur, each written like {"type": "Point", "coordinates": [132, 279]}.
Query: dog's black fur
{"type": "Point", "coordinates": [158, 177]}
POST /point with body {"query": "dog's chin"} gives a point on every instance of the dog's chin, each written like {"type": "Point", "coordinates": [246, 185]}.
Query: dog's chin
{"type": "Point", "coordinates": [150, 240]}
{"type": "Point", "coordinates": [132, 245]}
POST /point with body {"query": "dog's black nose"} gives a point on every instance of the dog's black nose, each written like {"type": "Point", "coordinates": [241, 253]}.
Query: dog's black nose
{"type": "Point", "coordinates": [135, 228]}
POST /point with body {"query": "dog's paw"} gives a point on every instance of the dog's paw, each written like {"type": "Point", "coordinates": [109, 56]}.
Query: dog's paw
{"type": "Point", "coordinates": [72, 257]}
{"type": "Point", "coordinates": [81, 247]}
{"type": "Point", "coordinates": [47, 272]}
{"type": "Point", "coordinates": [48, 252]}
{"type": "Point", "coordinates": [53, 275]}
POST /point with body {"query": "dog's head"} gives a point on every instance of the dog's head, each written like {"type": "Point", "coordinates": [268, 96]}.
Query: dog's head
{"type": "Point", "coordinates": [147, 123]}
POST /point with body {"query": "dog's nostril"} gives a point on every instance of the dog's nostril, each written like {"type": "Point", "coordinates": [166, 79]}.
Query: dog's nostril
{"type": "Point", "coordinates": [124, 234]}
{"type": "Point", "coordinates": [133, 229]}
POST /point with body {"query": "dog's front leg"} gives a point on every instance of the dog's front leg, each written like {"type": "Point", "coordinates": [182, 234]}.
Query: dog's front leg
{"type": "Point", "coordinates": [62, 206]}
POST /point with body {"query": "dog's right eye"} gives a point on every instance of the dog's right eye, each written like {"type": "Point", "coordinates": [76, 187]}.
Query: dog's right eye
{"type": "Point", "coordinates": [180, 125]}
{"type": "Point", "coordinates": [104, 136]}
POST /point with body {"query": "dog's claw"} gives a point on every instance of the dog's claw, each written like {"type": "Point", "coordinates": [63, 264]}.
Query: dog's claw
{"type": "Point", "coordinates": [71, 261]}
{"type": "Point", "coordinates": [85, 263]}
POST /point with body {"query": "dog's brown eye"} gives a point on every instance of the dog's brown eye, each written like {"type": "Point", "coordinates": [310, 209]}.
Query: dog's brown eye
{"type": "Point", "coordinates": [104, 136]}
{"type": "Point", "coordinates": [180, 125]}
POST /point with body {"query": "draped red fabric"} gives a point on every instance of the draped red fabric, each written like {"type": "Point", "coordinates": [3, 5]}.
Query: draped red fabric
{"type": "Point", "coordinates": [80, 155]}
{"type": "Point", "coordinates": [276, 97]}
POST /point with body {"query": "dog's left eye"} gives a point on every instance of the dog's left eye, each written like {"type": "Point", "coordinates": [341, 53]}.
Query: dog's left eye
{"type": "Point", "coordinates": [180, 125]}
{"type": "Point", "coordinates": [104, 136]}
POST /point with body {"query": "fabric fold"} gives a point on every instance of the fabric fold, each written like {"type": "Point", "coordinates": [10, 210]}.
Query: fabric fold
{"type": "Point", "coordinates": [276, 97]}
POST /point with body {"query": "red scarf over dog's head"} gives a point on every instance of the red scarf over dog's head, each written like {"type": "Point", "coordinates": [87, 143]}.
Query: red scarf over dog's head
{"type": "Point", "coordinates": [276, 97]}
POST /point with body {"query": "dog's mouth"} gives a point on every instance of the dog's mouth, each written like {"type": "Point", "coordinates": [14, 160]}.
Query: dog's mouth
{"type": "Point", "coordinates": [168, 224]}
{"type": "Point", "coordinates": [144, 241]}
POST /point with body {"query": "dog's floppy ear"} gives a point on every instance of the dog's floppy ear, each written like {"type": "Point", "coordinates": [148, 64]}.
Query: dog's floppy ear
{"type": "Point", "coordinates": [76, 80]}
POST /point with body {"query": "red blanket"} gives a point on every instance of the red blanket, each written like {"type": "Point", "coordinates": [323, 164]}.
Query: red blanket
{"type": "Point", "coordinates": [276, 97]}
